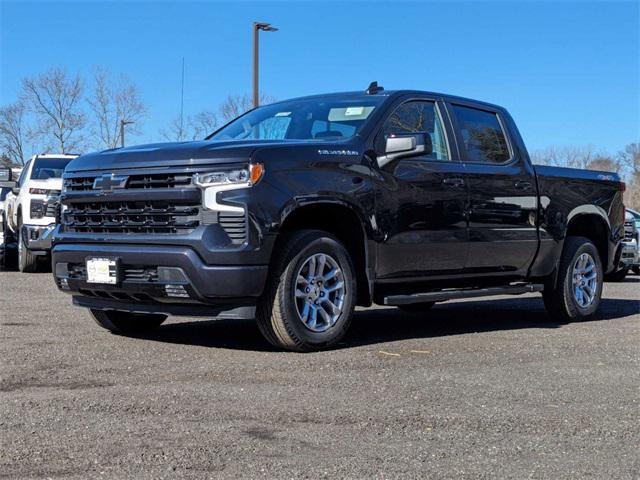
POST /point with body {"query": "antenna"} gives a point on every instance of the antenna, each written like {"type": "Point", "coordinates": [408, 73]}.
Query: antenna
{"type": "Point", "coordinates": [182, 101]}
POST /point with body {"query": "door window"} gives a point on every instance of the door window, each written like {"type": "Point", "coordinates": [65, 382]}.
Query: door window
{"type": "Point", "coordinates": [482, 135]}
{"type": "Point", "coordinates": [419, 117]}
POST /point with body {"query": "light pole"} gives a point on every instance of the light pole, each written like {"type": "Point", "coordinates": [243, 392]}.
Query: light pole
{"type": "Point", "coordinates": [123, 122]}
{"type": "Point", "coordinates": [257, 26]}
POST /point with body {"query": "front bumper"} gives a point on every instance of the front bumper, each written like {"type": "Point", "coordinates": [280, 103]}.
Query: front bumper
{"type": "Point", "coordinates": [38, 238]}
{"type": "Point", "coordinates": [169, 279]}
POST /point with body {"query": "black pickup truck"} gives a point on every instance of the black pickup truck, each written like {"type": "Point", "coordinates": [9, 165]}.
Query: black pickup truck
{"type": "Point", "coordinates": [296, 212]}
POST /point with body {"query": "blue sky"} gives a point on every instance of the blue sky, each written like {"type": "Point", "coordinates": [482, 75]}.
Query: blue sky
{"type": "Point", "coordinates": [567, 71]}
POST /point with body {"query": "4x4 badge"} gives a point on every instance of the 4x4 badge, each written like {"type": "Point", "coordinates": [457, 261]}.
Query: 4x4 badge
{"type": "Point", "coordinates": [109, 182]}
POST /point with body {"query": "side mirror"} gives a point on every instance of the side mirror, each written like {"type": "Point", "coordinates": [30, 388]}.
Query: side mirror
{"type": "Point", "coordinates": [400, 144]}
{"type": "Point", "coordinates": [6, 174]}
{"type": "Point", "coordinates": [404, 146]}
{"type": "Point", "coordinates": [11, 185]}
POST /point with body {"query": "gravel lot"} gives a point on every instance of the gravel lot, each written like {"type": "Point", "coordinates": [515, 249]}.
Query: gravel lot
{"type": "Point", "coordinates": [476, 389]}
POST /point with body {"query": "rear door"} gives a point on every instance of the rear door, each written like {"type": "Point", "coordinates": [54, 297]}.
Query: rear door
{"type": "Point", "coordinates": [503, 198]}
{"type": "Point", "coordinates": [420, 204]}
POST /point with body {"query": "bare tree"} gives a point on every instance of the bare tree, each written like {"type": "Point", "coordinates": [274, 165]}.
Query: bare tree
{"type": "Point", "coordinates": [13, 131]}
{"type": "Point", "coordinates": [605, 163]}
{"type": "Point", "coordinates": [111, 102]}
{"type": "Point", "coordinates": [176, 131]}
{"type": "Point", "coordinates": [5, 161]}
{"type": "Point", "coordinates": [571, 156]}
{"type": "Point", "coordinates": [55, 99]}
{"type": "Point", "coordinates": [630, 158]}
{"type": "Point", "coordinates": [236, 105]}
{"type": "Point", "coordinates": [202, 124]}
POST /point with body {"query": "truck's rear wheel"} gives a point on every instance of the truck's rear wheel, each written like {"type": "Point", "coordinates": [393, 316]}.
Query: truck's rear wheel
{"type": "Point", "coordinates": [309, 300]}
{"type": "Point", "coordinates": [27, 261]}
{"type": "Point", "coordinates": [126, 322]}
{"type": "Point", "coordinates": [576, 295]}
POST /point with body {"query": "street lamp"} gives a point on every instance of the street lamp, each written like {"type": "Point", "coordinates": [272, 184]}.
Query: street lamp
{"type": "Point", "coordinates": [123, 122]}
{"type": "Point", "coordinates": [265, 27]}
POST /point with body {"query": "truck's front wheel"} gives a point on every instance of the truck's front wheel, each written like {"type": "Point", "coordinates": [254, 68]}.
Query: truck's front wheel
{"type": "Point", "coordinates": [309, 300]}
{"type": "Point", "coordinates": [27, 261]}
{"type": "Point", "coordinates": [576, 295]}
{"type": "Point", "coordinates": [125, 322]}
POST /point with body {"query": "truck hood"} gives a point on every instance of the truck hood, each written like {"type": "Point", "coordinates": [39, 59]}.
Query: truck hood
{"type": "Point", "coordinates": [175, 154]}
{"type": "Point", "coordinates": [48, 184]}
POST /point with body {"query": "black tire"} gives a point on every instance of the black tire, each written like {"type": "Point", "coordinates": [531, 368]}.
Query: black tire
{"type": "Point", "coordinates": [636, 269]}
{"type": "Point", "coordinates": [278, 315]}
{"type": "Point", "coordinates": [416, 308]}
{"type": "Point", "coordinates": [27, 261]}
{"type": "Point", "coordinates": [127, 323]}
{"type": "Point", "coordinates": [560, 300]}
{"type": "Point", "coordinates": [618, 276]}
{"type": "Point", "coordinates": [8, 256]}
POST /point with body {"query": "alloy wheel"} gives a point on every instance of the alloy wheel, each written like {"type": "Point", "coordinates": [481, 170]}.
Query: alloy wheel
{"type": "Point", "coordinates": [585, 280]}
{"type": "Point", "coordinates": [319, 292]}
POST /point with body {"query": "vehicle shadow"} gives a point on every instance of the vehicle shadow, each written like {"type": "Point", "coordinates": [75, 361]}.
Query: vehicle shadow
{"type": "Point", "coordinates": [387, 324]}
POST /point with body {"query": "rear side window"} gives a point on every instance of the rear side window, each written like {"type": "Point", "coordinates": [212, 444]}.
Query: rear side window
{"type": "Point", "coordinates": [482, 135]}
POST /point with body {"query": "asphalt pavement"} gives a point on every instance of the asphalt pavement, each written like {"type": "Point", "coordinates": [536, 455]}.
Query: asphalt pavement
{"type": "Point", "coordinates": [471, 389]}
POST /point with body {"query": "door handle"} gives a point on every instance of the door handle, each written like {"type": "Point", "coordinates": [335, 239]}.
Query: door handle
{"type": "Point", "coordinates": [522, 185]}
{"type": "Point", "coordinates": [454, 182]}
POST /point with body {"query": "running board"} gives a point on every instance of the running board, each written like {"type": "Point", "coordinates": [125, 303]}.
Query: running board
{"type": "Point", "coordinates": [454, 294]}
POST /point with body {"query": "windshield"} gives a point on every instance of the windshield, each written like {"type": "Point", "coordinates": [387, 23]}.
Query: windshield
{"type": "Point", "coordinates": [4, 191]}
{"type": "Point", "coordinates": [311, 119]}
{"type": "Point", "coordinates": [46, 168]}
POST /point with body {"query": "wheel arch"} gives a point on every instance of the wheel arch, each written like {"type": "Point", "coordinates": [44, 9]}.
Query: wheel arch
{"type": "Point", "coordinates": [593, 224]}
{"type": "Point", "coordinates": [346, 223]}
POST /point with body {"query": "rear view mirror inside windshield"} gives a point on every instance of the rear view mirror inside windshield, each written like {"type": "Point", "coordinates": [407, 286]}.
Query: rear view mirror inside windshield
{"type": "Point", "coordinates": [344, 114]}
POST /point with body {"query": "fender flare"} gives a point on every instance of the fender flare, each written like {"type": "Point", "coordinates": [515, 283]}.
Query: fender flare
{"type": "Point", "coordinates": [588, 209]}
{"type": "Point", "coordinates": [296, 203]}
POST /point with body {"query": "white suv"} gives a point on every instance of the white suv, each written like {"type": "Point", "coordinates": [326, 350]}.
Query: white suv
{"type": "Point", "coordinates": [31, 207]}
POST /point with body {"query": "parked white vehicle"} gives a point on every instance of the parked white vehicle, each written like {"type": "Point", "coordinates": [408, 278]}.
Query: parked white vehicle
{"type": "Point", "coordinates": [31, 207]}
{"type": "Point", "coordinates": [7, 241]}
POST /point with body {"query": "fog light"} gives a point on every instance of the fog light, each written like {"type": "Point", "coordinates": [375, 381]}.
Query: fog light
{"type": "Point", "coordinates": [176, 291]}
{"type": "Point", "coordinates": [64, 283]}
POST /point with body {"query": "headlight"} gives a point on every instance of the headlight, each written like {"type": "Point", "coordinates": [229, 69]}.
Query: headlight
{"type": "Point", "coordinates": [213, 183]}
{"type": "Point", "coordinates": [241, 177]}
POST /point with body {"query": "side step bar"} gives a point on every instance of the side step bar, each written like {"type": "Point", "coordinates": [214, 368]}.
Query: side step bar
{"type": "Point", "coordinates": [454, 294]}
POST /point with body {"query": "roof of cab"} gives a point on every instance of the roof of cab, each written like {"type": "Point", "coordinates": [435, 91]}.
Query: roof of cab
{"type": "Point", "coordinates": [395, 93]}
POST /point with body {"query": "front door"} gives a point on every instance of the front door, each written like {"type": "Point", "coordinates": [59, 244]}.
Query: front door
{"type": "Point", "coordinates": [420, 202]}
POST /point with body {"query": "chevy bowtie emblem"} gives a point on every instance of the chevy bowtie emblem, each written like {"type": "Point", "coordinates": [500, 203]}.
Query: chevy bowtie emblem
{"type": "Point", "coordinates": [109, 182]}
